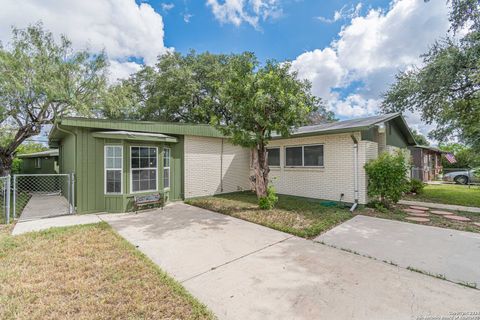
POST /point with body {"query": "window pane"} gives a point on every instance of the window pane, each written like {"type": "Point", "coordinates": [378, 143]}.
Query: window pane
{"type": "Point", "coordinates": [118, 152]}
{"type": "Point", "coordinates": [293, 156]}
{"type": "Point", "coordinates": [153, 152]}
{"type": "Point", "coordinates": [135, 152]}
{"type": "Point", "coordinates": [144, 152]}
{"type": "Point", "coordinates": [166, 178]}
{"type": "Point", "coordinates": [110, 152]}
{"type": "Point", "coordinates": [135, 163]}
{"type": "Point", "coordinates": [313, 156]}
{"type": "Point", "coordinates": [273, 157]}
{"type": "Point", "coordinates": [114, 181]}
{"type": "Point", "coordinates": [144, 180]}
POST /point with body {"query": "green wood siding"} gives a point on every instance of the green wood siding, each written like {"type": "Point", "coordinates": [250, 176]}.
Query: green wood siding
{"type": "Point", "coordinates": [394, 136]}
{"type": "Point", "coordinates": [90, 171]}
{"type": "Point", "coordinates": [47, 165]}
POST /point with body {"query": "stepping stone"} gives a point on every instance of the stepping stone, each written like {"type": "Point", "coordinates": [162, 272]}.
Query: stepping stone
{"type": "Point", "coordinates": [408, 211]}
{"type": "Point", "coordinates": [458, 218]}
{"type": "Point", "coordinates": [477, 224]}
{"type": "Point", "coordinates": [418, 214]}
{"type": "Point", "coordinates": [419, 208]}
{"type": "Point", "coordinates": [441, 213]}
{"type": "Point", "coordinates": [417, 219]}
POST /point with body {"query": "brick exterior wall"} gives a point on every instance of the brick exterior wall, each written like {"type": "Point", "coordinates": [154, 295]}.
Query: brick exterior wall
{"type": "Point", "coordinates": [330, 181]}
{"type": "Point", "coordinates": [208, 171]}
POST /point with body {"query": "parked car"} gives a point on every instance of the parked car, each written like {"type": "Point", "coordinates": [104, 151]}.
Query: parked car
{"type": "Point", "coordinates": [463, 177]}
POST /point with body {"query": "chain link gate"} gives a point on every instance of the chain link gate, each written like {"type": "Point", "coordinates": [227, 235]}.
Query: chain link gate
{"type": "Point", "coordinates": [37, 196]}
{"type": "Point", "coordinates": [5, 211]}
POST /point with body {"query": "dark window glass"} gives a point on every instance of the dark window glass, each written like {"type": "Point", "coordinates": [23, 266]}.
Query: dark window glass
{"type": "Point", "coordinates": [274, 157]}
{"type": "Point", "coordinates": [293, 156]}
{"type": "Point", "coordinates": [114, 181]}
{"type": "Point", "coordinates": [313, 156]}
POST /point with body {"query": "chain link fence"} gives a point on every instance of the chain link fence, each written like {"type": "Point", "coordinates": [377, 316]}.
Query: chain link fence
{"type": "Point", "coordinates": [42, 195]}
{"type": "Point", "coordinates": [5, 212]}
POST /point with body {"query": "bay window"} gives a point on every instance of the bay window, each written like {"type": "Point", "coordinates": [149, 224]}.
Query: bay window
{"type": "Point", "coordinates": [166, 168]}
{"type": "Point", "coordinates": [143, 169]}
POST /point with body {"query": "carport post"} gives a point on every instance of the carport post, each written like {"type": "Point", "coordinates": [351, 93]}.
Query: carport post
{"type": "Point", "coordinates": [14, 197]}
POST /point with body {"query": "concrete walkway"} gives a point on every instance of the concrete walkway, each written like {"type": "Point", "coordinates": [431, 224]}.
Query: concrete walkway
{"type": "Point", "coordinates": [440, 206]}
{"type": "Point", "coordinates": [42, 206]}
{"type": "Point", "coordinates": [63, 221]}
{"type": "Point", "coordinates": [241, 270]}
{"type": "Point", "coordinates": [450, 253]}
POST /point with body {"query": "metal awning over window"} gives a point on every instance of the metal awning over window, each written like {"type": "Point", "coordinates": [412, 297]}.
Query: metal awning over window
{"type": "Point", "coordinates": [133, 135]}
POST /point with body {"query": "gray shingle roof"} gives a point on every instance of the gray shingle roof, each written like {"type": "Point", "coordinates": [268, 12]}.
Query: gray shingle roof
{"type": "Point", "coordinates": [361, 123]}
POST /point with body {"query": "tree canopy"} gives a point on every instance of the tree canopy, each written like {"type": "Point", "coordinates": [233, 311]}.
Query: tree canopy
{"type": "Point", "coordinates": [445, 90]}
{"type": "Point", "coordinates": [42, 79]}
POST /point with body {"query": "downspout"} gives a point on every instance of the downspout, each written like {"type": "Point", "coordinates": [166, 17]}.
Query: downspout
{"type": "Point", "coordinates": [73, 178]}
{"type": "Point", "coordinates": [355, 172]}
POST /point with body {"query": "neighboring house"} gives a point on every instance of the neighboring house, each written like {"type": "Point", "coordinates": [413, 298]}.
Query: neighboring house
{"type": "Point", "coordinates": [43, 162]}
{"type": "Point", "coordinates": [115, 160]}
{"type": "Point", "coordinates": [427, 162]}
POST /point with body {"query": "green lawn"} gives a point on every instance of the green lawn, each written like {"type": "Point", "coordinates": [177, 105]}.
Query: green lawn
{"type": "Point", "coordinates": [302, 217]}
{"type": "Point", "coordinates": [449, 194]}
{"type": "Point", "coordinates": [86, 272]}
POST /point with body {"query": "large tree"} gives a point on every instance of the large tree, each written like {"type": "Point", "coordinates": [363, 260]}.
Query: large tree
{"type": "Point", "coordinates": [445, 89]}
{"type": "Point", "coordinates": [42, 79]}
{"type": "Point", "coordinates": [263, 101]}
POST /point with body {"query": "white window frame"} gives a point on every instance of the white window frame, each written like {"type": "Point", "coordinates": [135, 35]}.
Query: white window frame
{"type": "Point", "coordinates": [131, 170]}
{"type": "Point", "coordinates": [279, 156]}
{"type": "Point", "coordinates": [105, 169]}
{"type": "Point", "coordinates": [303, 155]}
{"type": "Point", "coordinates": [169, 168]}
{"type": "Point", "coordinates": [38, 163]}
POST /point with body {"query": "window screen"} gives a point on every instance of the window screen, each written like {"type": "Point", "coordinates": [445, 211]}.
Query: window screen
{"type": "Point", "coordinates": [273, 157]}
{"type": "Point", "coordinates": [293, 156]}
{"type": "Point", "coordinates": [144, 168]}
{"type": "Point", "coordinates": [313, 156]}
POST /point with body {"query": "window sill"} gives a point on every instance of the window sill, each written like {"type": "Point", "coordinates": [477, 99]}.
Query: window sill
{"type": "Point", "coordinates": [304, 168]}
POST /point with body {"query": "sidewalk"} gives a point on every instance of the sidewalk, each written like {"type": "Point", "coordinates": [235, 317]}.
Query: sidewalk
{"type": "Point", "coordinates": [63, 221]}
{"type": "Point", "coordinates": [440, 206]}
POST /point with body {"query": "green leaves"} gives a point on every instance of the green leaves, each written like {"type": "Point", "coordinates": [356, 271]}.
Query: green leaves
{"type": "Point", "coordinates": [42, 79]}
{"type": "Point", "coordinates": [387, 177]}
{"type": "Point", "coordinates": [445, 90]}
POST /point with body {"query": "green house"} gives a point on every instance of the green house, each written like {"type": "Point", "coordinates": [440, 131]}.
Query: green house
{"type": "Point", "coordinates": [114, 161]}
{"type": "Point", "coordinates": [43, 162]}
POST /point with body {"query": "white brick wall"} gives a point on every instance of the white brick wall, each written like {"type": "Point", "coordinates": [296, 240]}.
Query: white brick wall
{"type": "Point", "coordinates": [335, 178]}
{"type": "Point", "coordinates": [368, 150]}
{"type": "Point", "coordinates": [205, 167]}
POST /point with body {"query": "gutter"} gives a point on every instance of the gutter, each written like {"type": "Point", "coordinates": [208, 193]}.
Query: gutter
{"type": "Point", "coordinates": [355, 169]}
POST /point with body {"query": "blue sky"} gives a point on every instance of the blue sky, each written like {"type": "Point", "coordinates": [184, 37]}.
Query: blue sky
{"type": "Point", "coordinates": [295, 31]}
{"type": "Point", "coordinates": [349, 50]}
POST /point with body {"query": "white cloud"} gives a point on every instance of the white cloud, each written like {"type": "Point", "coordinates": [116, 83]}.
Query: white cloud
{"type": "Point", "coordinates": [346, 12]}
{"type": "Point", "coordinates": [167, 6]}
{"type": "Point", "coordinates": [187, 17]}
{"type": "Point", "coordinates": [245, 11]}
{"type": "Point", "coordinates": [122, 70]}
{"type": "Point", "coordinates": [369, 51]}
{"type": "Point", "coordinates": [120, 27]}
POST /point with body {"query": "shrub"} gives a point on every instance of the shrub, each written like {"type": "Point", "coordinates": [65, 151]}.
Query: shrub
{"type": "Point", "coordinates": [268, 202]}
{"type": "Point", "coordinates": [416, 186]}
{"type": "Point", "coordinates": [387, 178]}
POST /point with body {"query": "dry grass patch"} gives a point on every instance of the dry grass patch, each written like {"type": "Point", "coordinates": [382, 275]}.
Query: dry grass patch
{"type": "Point", "coordinates": [86, 272]}
{"type": "Point", "coordinates": [299, 216]}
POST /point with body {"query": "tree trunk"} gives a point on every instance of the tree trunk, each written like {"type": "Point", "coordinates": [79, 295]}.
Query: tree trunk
{"type": "Point", "coordinates": [6, 161]}
{"type": "Point", "coordinates": [261, 170]}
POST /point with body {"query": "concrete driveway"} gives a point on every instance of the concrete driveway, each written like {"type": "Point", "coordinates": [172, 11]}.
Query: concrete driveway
{"type": "Point", "coordinates": [244, 271]}
{"type": "Point", "coordinates": [449, 253]}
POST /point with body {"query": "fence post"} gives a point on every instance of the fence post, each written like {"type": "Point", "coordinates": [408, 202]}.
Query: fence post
{"type": "Point", "coordinates": [72, 181]}
{"type": "Point", "coordinates": [7, 199]}
{"type": "Point", "coordinates": [14, 197]}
